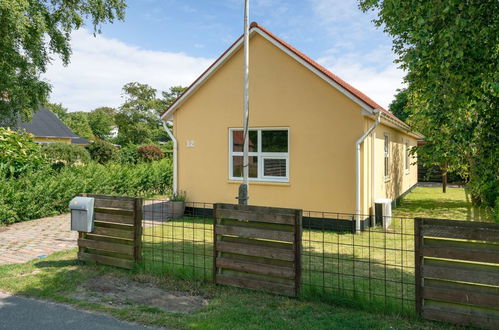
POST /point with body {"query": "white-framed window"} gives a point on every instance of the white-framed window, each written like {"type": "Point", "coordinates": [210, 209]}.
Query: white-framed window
{"type": "Point", "coordinates": [387, 156]}
{"type": "Point", "coordinates": [407, 156]}
{"type": "Point", "coordinates": [268, 154]}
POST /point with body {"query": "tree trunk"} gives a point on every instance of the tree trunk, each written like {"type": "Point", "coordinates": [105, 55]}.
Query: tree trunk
{"type": "Point", "coordinates": [444, 181]}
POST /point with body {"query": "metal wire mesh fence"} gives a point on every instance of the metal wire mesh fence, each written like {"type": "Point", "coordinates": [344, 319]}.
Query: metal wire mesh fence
{"type": "Point", "coordinates": [374, 268]}
{"type": "Point", "coordinates": [177, 244]}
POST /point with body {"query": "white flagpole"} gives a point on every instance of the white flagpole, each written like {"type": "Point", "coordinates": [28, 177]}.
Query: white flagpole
{"type": "Point", "coordinates": [243, 189]}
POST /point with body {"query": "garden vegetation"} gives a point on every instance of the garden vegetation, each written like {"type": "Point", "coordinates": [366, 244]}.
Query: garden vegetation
{"type": "Point", "coordinates": [34, 184]}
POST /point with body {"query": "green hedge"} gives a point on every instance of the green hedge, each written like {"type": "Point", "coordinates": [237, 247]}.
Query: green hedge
{"type": "Point", "coordinates": [47, 192]}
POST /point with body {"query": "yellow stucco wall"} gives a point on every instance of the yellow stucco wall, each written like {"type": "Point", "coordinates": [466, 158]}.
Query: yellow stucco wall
{"type": "Point", "coordinates": [399, 179]}
{"type": "Point", "coordinates": [323, 127]}
{"type": "Point", "coordinates": [51, 140]}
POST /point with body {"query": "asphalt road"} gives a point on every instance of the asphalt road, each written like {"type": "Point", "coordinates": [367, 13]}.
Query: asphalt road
{"type": "Point", "coordinates": [25, 313]}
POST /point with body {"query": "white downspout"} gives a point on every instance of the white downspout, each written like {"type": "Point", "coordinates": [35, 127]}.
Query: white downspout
{"type": "Point", "coordinates": [175, 147]}
{"type": "Point", "coordinates": [357, 169]}
{"type": "Point", "coordinates": [373, 168]}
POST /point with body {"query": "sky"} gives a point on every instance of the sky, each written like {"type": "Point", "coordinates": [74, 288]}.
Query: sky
{"type": "Point", "coordinates": [165, 43]}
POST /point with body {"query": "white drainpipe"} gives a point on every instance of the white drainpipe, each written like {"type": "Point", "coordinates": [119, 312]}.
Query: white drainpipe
{"type": "Point", "coordinates": [357, 169]}
{"type": "Point", "coordinates": [175, 147]}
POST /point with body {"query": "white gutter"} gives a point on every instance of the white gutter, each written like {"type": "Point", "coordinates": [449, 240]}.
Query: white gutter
{"type": "Point", "coordinates": [357, 169]}
{"type": "Point", "coordinates": [175, 147]}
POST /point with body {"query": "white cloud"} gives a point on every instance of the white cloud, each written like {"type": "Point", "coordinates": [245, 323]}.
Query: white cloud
{"type": "Point", "coordinates": [361, 54]}
{"type": "Point", "coordinates": [100, 67]}
{"type": "Point", "coordinates": [379, 83]}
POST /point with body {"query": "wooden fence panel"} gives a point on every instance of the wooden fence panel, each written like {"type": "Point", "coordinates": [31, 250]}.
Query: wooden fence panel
{"type": "Point", "coordinates": [116, 238]}
{"type": "Point", "coordinates": [258, 248]}
{"type": "Point", "coordinates": [457, 271]}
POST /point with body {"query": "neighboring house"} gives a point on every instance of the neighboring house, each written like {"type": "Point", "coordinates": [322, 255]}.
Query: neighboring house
{"type": "Point", "coordinates": [113, 132]}
{"type": "Point", "coordinates": [304, 122]}
{"type": "Point", "coordinates": [46, 127]}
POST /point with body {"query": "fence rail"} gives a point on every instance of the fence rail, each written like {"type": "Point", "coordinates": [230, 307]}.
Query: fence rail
{"type": "Point", "coordinates": [457, 278]}
{"type": "Point", "coordinates": [258, 248]}
{"type": "Point", "coordinates": [116, 238]}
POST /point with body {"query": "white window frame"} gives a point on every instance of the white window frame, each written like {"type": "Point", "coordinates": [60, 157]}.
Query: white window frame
{"type": "Point", "coordinates": [386, 156]}
{"type": "Point", "coordinates": [261, 155]}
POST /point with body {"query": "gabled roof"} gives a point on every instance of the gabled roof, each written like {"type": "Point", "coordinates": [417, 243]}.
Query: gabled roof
{"type": "Point", "coordinates": [357, 96]}
{"type": "Point", "coordinates": [45, 123]}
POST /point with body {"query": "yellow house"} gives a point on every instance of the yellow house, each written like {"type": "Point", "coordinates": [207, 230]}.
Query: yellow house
{"type": "Point", "coordinates": [306, 125]}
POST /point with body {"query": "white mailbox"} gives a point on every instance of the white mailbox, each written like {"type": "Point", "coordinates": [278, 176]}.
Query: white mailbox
{"type": "Point", "coordinates": [82, 214]}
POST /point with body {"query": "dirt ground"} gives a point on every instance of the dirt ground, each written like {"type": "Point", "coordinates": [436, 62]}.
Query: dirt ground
{"type": "Point", "coordinates": [121, 291]}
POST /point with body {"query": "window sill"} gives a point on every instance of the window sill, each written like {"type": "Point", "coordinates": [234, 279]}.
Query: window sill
{"type": "Point", "coordinates": [262, 183]}
{"type": "Point", "coordinates": [388, 179]}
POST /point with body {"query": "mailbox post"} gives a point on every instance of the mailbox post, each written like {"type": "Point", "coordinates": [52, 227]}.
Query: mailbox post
{"type": "Point", "coordinates": [82, 214]}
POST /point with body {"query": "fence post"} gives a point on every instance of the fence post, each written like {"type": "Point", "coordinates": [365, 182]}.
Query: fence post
{"type": "Point", "coordinates": [137, 229]}
{"type": "Point", "coordinates": [215, 222]}
{"type": "Point", "coordinates": [298, 234]}
{"type": "Point", "coordinates": [418, 280]}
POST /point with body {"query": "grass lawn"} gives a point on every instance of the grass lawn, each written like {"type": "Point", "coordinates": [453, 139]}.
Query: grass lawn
{"type": "Point", "coordinates": [433, 203]}
{"type": "Point", "coordinates": [58, 276]}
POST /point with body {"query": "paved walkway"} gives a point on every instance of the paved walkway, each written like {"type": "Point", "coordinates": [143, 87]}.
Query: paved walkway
{"type": "Point", "coordinates": [28, 240]}
{"type": "Point", "coordinates": [18, 313]}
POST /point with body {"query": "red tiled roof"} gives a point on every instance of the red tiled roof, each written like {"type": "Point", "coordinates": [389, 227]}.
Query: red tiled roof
{"type": "Point", "coordinates": [354, 91]}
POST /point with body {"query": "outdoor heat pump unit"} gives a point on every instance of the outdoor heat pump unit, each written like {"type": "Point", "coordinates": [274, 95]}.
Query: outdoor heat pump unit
{"type": "Point", "coordinates": [82, 214]}
{"type": "Point", "coordinates": [383, 212]}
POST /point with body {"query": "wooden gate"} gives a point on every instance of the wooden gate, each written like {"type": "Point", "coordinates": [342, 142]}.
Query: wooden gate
{"type": "Point", "coordinates": [457, 271]}
{"type": "Point", "coordinates": [116, 238]}
{"type": "Point", "coordinates": [258, 248]}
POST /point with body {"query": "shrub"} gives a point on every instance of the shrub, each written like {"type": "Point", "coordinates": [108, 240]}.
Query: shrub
{"type": "Point", "coordinates": [19, 154]}
{"type": "Point", "coordinates": [149, 153]}
{"type": "Point", "coordinates": [180, 196]}
{"type": "Point", "coordinates": [168, 145]}
{"type": "Point", "coordinates": [129, 155]}
{"type": "Point", "coordinates": [102, 151]}
{"type": "Point", "coordinates": [68, 154]}
{"type": "Point", "coordinates": [47, 192]}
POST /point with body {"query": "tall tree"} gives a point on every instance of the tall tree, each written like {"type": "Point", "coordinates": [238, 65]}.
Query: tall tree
{"type": "Point", "coordinates": [31, 32]}
{"type": "Point", "coordinates": [450, 50]}
{"type": "Point", "coordinates": [101, 120]}
{"type": "Point", "coordinates": [137, 118]}
{"type": "Point", "coordinates": [399, 105]}
{"type": "Point", "coordinates": [78, 123]}
{"type": "Point", "coordinates": [172, 94]}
